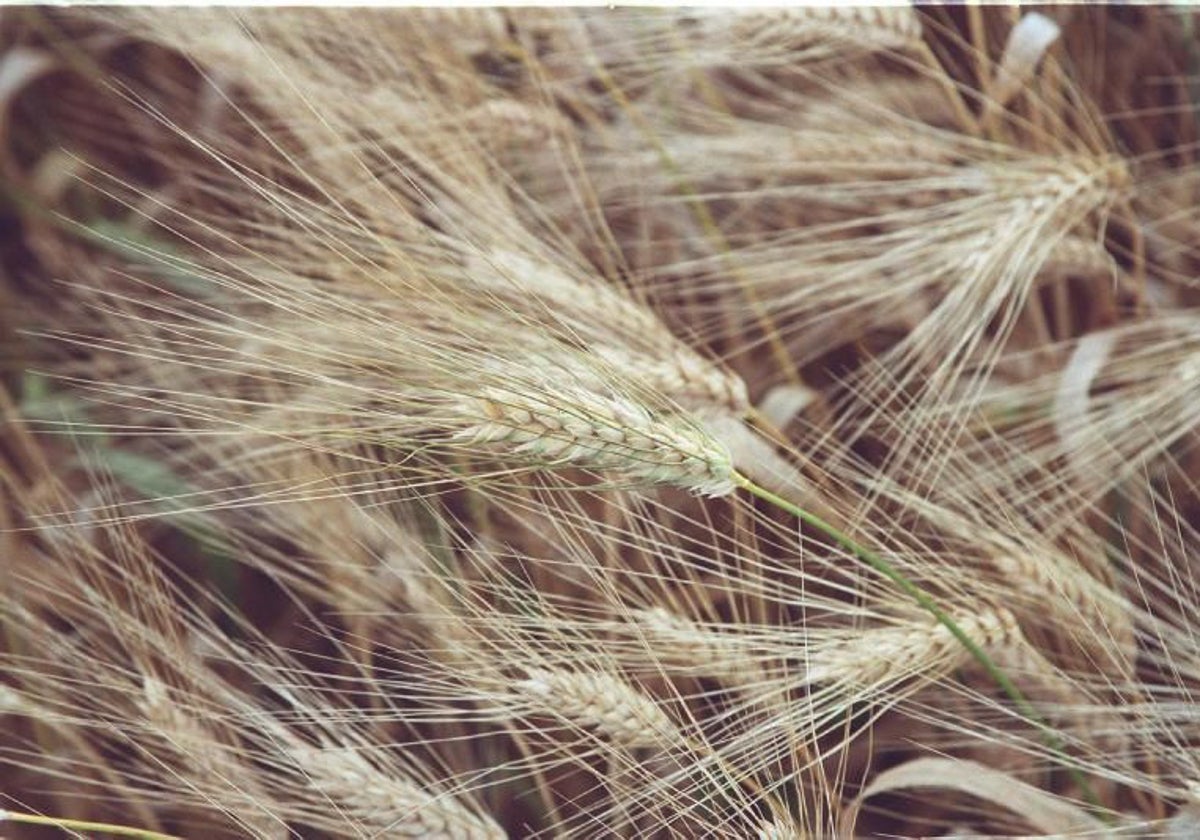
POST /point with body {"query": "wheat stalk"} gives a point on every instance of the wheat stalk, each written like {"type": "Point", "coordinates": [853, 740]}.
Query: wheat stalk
{"type": "Point", "coordinates": [77, 826]}
{"type": "Point", "coordinates": [928, 650]}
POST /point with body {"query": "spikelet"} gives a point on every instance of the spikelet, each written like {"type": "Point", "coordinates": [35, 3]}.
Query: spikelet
{"type": "Point", "coordinates": [1076, 255]}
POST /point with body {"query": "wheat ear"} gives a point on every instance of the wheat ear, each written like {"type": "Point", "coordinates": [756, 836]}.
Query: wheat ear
{"type": "Point", "coordinates": [182, 730]}
{"type": "Point", "coordinates": [610, 706]}
{"type": "Point", "coordinates": [617, 328]}
{"type": "Point", "coordinates": [602, 702]}
{"type": "Point", "coordinates": [692, 649]}
{"type": "Point", "coordinates": [1070, 594]}
{"type": "Point", "coordinates": [395, 806]}
{"type": "Point", "coordinates": [880, 28]}
{"type": "Point", "coordinates": [586, 429]}
{"type": "Point", "coordinates": [206, 759]}
{"type": "Point", "coordinates": [682, 376]}
{"type": "Point", "coordinates": [882, 655]}
{"type": "Point", "coordinates": [597, 305]}
{"type": "Point", "coordinates": [885, 654]}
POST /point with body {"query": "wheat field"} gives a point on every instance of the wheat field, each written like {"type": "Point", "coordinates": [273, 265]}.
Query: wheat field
{"type": "Point", "coordinates": [548, 423]}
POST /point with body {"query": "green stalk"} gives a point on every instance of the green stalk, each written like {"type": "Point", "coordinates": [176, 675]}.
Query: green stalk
{"type": "Point", "coordinates": [926, 601]}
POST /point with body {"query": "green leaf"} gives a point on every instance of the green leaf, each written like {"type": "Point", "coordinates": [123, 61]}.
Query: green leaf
{"type": "Point", "coordinates": [134, 244]}
{"type": "Point", "coordinates": [176, 498]}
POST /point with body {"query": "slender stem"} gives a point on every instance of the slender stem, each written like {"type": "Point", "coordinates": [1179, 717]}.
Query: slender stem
{"type": "Point", "coordinates": [926, 601]}
{"type": "Point", "coordinates": [85, 825]}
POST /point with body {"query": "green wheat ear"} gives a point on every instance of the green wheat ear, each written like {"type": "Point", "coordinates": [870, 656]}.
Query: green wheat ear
{"type": "Point", "coordinates": [927, 602]}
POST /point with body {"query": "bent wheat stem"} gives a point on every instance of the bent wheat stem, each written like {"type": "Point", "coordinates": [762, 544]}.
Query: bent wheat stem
{"type": "Point", "coordinates": [927, 602]}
